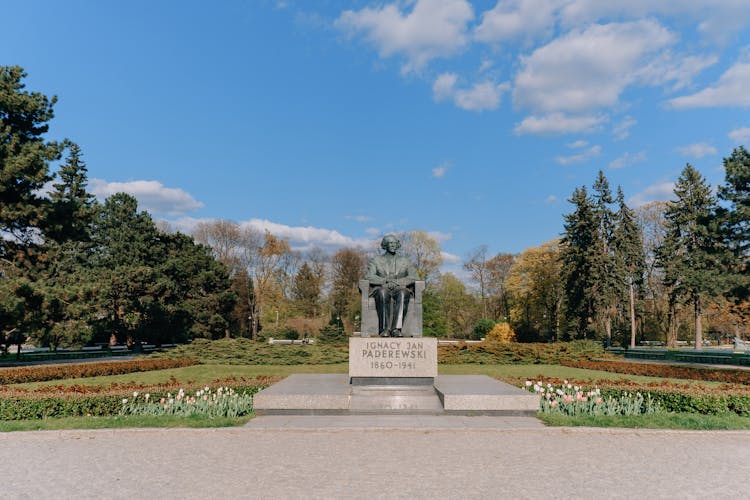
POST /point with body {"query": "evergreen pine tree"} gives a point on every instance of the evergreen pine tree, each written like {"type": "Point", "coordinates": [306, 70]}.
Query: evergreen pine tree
{"type": "Point", "coordinates": [607, 283]}
{"type": "Point", "coordinates": [72, 209]}
{"type": "Point", "coordinates": [630, 258]}
{"type": "Point", "coordinates": [24, 165]}
{"type": "Point", "coordinates": [736, 219]}
{"type": "Point", "coordinates": [578, 246]}
{"type": "Point", "coordinates": [306, 291]}
{"type": "Point", "coordinates": [691, 253]}
{"type": "Point", "coordinates": [333, 332]}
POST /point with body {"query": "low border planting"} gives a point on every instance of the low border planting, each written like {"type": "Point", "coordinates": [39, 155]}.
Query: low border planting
{"type": "Point", "coordinates": [662, 370]}
{"type": "Point", "coordinates": [570, 399]}
{"type": "Point", "coordinates": [80, 370]}
{"type": "Point", "coordinates": [670, 397]}
{"type": "Point", "coordinates": [221, 402]}
{"type": "Point", "coordinates": [100, 401]}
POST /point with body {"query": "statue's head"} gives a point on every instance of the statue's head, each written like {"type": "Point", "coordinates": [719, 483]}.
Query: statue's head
{"type": "Point", "coordinates": [390, 243]}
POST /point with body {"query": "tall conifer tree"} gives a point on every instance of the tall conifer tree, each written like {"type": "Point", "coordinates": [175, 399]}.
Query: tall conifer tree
{"type": "Point", "coordinates": [578, 247]}
{"type": "Point", "coordinates": [630, 259]}
{"type": "Point", "coordinates": [736, 219]}
{"type": "Point", "coordinates": [690, 255]}
{"type": "Point", "coordinates": [24, 165]}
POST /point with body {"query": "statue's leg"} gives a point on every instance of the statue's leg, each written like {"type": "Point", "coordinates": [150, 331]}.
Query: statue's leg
{"type": "Point", "coordinates": [382, 305]}
{"type": "Point", "coordinates": [400, 306]}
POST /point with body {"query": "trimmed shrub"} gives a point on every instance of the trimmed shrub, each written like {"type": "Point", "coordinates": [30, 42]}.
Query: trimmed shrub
{"type": "Point", "coordinates": [663, 370]}
{"type": "Point", "coordinates": [80, 370]}
{"type": "Point", "coordinates": [482, 328]}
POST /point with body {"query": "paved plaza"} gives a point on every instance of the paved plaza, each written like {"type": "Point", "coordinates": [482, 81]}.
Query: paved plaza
{"type": "Point", "coordinates": [377, 457]}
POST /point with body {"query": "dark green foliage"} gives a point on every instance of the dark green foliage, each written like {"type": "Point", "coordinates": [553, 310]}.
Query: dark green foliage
{"type": "Point", "coordinates": [735, 219]}
{"type": "Point", "coordinates": [433, 320]}
{"type": "Point", "coordinates": [247, 352]}
{"type": "Point", "coordinates": [72, 208]}
{"type": "Point", "coordinates": [24, 165]}
{"type": "Point", "coordinates": [493, 353]}
{"type": "Point", "coordinates": [578, 248]}
{"type": "Point", "coordinates": [692, 253]}
{"type": "Point", "coordinates": [244, 311]}
{"type": "Point", "coordinates": [482, 328]}
{"type": "Point", "coordinates": [333, 332]}
{"type": "Point", "coordinates": [306, 291]}
{"type": "Point", "coordinates": [347, 268]}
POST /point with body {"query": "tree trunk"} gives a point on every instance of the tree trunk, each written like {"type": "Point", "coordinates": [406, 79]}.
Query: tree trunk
{"type": "Point", "coordinates": [698, 324]}
{"type": "Point", "coordinates": [632, 312]}
{"type": "Point", "coordinates": [672, 325]}
{"type": "Point", "coordinates": [608, 330]}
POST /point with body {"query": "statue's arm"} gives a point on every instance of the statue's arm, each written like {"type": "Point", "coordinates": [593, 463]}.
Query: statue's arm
{"type": "Point", "coordinates": [372, 274]}
{"type": "Point", "coordinates": [410, 278]}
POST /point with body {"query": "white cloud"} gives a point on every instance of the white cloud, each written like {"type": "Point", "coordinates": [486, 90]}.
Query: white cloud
{"type": "Point", "coordinates": [670, 68]}
{"type": "Point", "coordinates": [431, 29]}
{"type": "Point", "coordinates": [151, 195]}
{"type": "Point", "coordinates": [718, 18]}
{"type": "Point", "coordinates": [559, 123]}
{"type": "Point", "coordinates": [740, 135]}
{"type": "Point", "coordinates": [440, 171]}
{"type": "Point", "coordinates": [482, 96]}
{"type": "Point", "coordinates": [697, 150]}
{"type": "Point", "coordinates": [517, 19]}
{"type": "Point", "coordinates": [586, 155]}
{"type": "Point", "coordinates": [449, 258]}
{"type": "Point", "coordinates": [627, 159]}
{"type": "Point", "coordinates": [444, 86]}
{"type": "Point", "coordinates": [358, 218]}
{"type": "Point", "coordinates": [587, 69]}
{"type": "Point", "coordinates": [551, 199]}
{"type": "Point", "coordinates": [373, 231]}
{"type": "Point", "coordinates": [656, 192]}
{"type": "Point", "coordinates": [621, 131]}
{"type": "Point", "coordinates": [578, 144]}
{"type": "Point", "coordinates": [299, 237]}
{"type": "Point", "coordinates": [439, 236]}
{"type": "Point", "coordinates": [730, 90]}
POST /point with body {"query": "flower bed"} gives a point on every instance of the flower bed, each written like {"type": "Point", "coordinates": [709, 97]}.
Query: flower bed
{"type": "Point", "coordinates": [570, 399]}
{"type": "Point", "coordinates": [80, 370]}
{"type": "Point", "coordinates": [663, 370]}
{"type": "Point", "coordinates": [670, 397]}
{"type": "Point", "coordinates": [223, 402]}
{"type": "Point", "coordinates": [72, 401]}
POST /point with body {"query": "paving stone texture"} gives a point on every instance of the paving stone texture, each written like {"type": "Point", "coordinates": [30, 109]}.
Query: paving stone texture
{"type": "Point", "coordinates": [376, 457]}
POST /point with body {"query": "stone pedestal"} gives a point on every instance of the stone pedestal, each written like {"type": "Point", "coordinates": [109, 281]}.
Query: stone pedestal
{"type": "Point", "coordinates": [394, 376]}
{"type": "Point", "coordinates": [392, 360]}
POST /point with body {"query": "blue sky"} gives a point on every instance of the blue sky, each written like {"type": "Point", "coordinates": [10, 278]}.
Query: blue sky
{"type": "Point", "coordinates": [331, 123]}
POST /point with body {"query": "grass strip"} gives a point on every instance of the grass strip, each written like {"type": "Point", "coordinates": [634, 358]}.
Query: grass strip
{"type": "Point", "coordinates": [120, 422]}
{"type": "Point", "coordinates": [680, 421]}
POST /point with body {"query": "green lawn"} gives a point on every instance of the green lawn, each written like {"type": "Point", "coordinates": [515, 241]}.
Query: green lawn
{"type": "Point", "coordinates": [208, 373]}
{"type": "Point", "coordinates": [685, 421]}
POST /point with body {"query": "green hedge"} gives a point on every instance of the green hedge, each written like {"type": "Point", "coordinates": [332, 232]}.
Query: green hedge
{"type": "Point", "coordinates": [681, 402]}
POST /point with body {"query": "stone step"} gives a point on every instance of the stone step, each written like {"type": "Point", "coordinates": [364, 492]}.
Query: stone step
{"type": "Point", "coordinates": [332, 394]}
{"type": "Point", "coordinates": [395, 399]}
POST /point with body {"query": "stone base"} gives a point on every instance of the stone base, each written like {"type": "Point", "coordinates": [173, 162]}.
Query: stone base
{"type": "Point", "coordinates": [329, 394]}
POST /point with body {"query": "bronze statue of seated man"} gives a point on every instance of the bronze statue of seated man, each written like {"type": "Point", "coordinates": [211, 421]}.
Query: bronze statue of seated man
{"type": "Point", "coordinates": [392, 280]}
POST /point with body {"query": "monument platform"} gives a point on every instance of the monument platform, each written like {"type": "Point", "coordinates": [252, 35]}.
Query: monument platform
{"type": "Point", "coordinates": [333, 394]}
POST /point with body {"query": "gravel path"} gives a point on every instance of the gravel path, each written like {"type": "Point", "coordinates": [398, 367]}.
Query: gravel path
{"type": "Point", "coordinates": [395, 459]}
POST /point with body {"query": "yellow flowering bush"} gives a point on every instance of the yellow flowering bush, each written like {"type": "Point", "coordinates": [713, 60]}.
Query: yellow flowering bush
{"type": "Point", "coordinates": [501, 332]}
